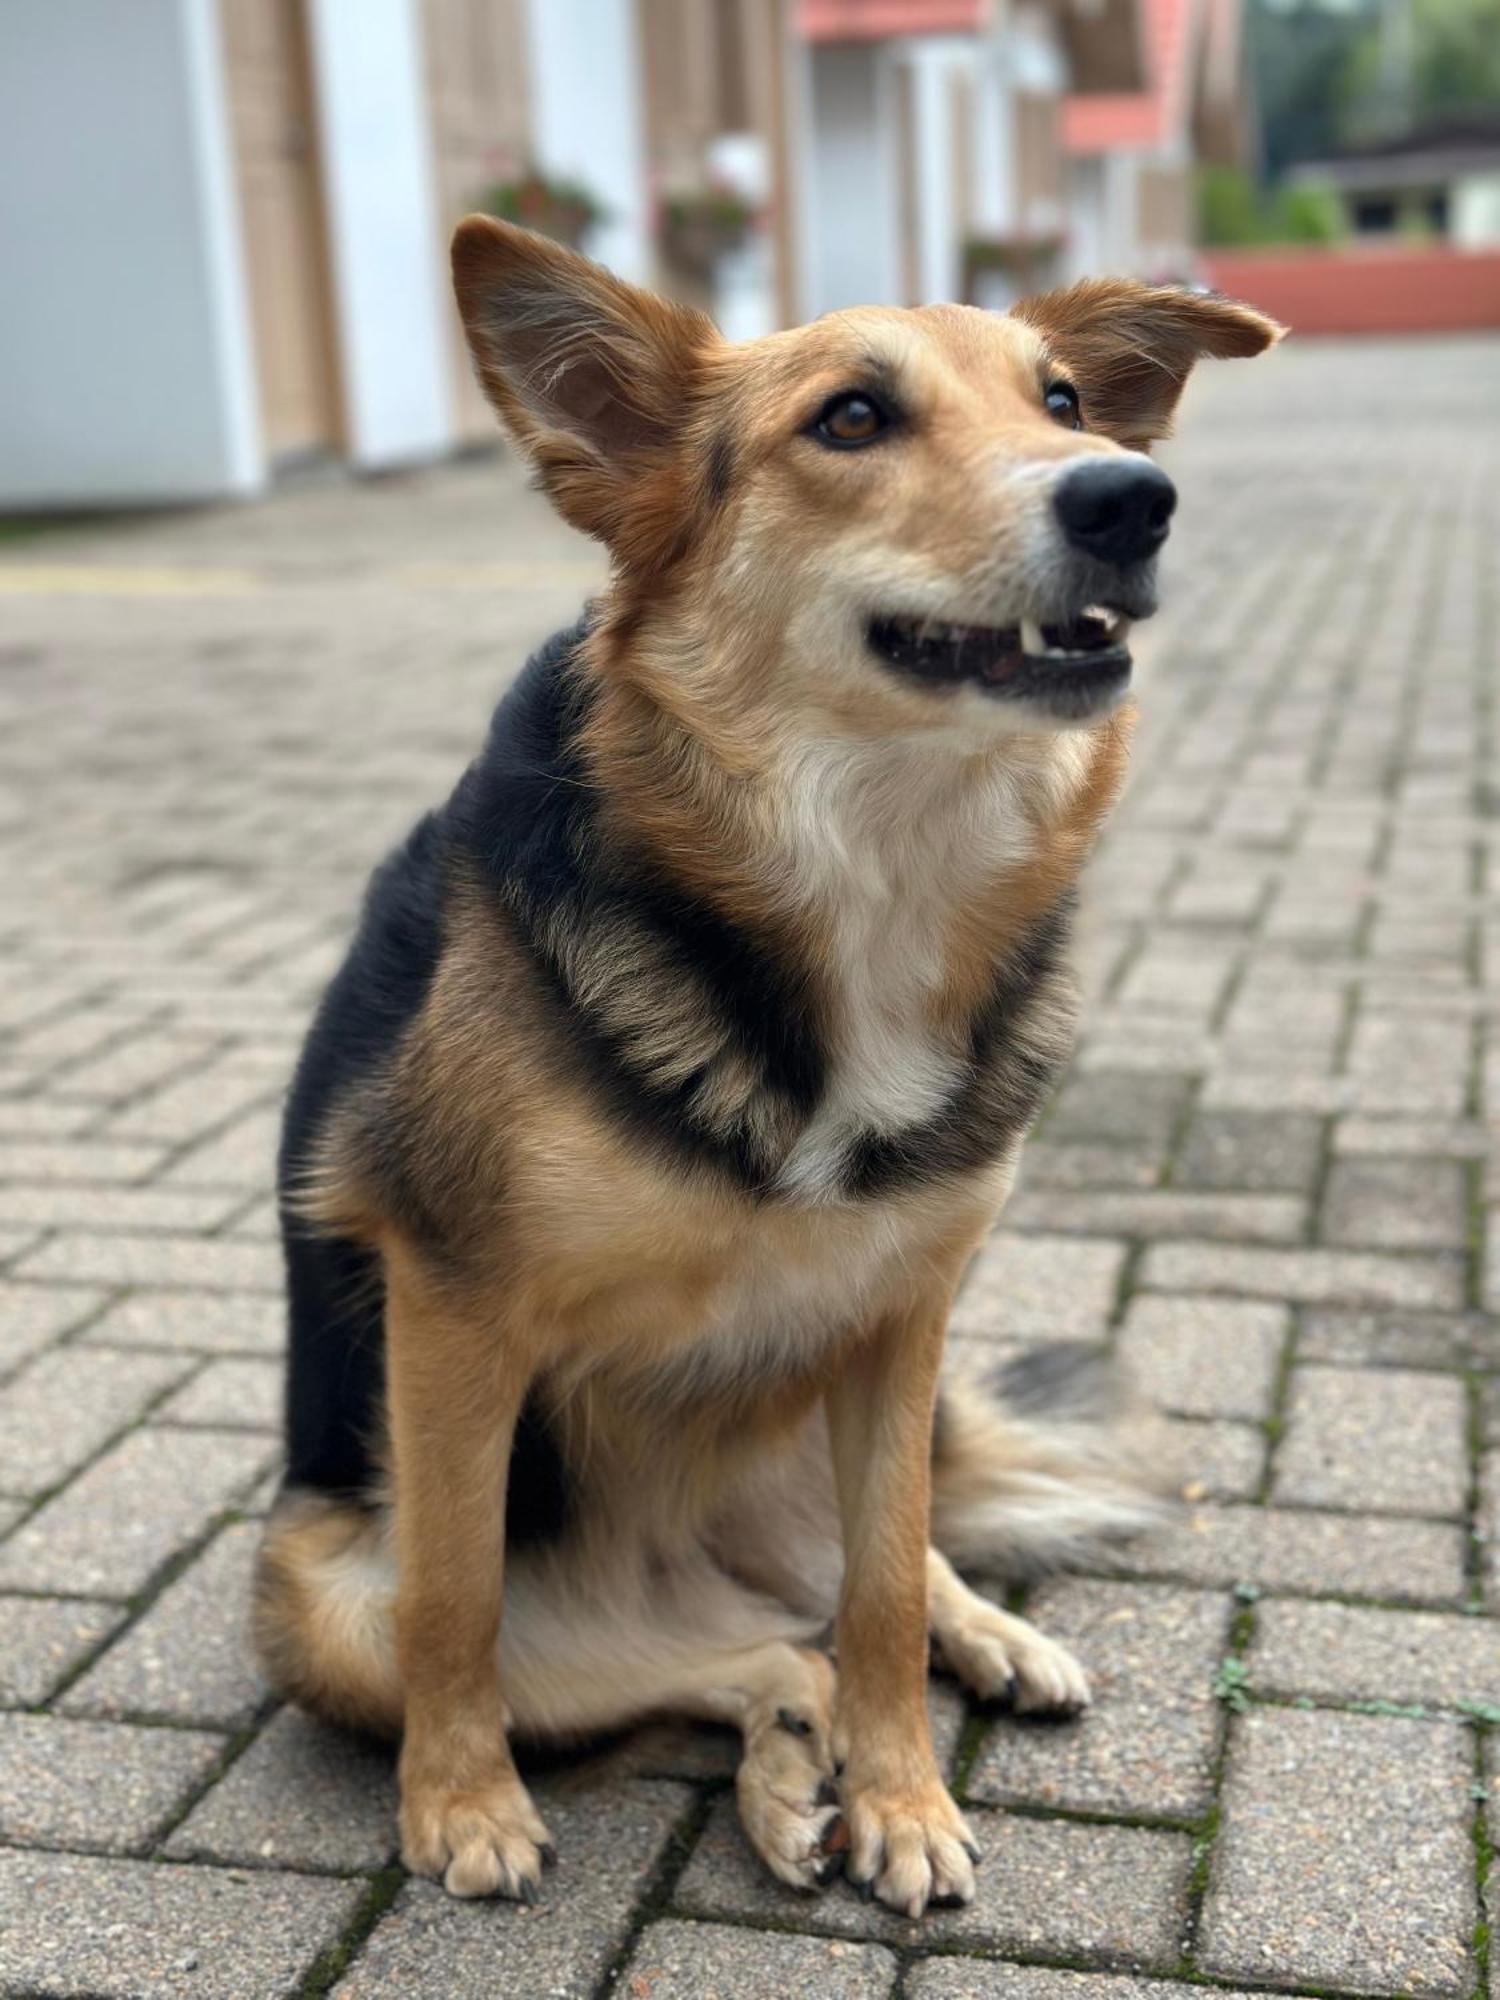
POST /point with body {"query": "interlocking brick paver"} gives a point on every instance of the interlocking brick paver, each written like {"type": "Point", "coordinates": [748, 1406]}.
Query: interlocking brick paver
{"type": "Point", "coordinates": [189, 1657]}
{"type": "Point", "coordinates": [1118, 1893]}
{"type": "Point", "coordinates": [1426, 1138]}
{"type": "Point", "coordinates": [94, 1784]}
{"type": "Point", "coordinates": [1132, 1110]}
{"type": "Point", "coordinates": [681, 1961]}
{"type": "Point", "coordinates": [238, 1157]}
{"type": "Point", "coordinates": [108, 1209]}
{"type": "Point", "coordinates": [1147, 1747]}
{"type": "Point", "coordinates": [80, 1162]}
{"type": "Point", "coordinates": [1040, 1285]}
{"type": "Point", "coordinates": [1346, 1652]}
{"type": "Point", "coordinates": [978, 1979]}
{"type": "Point", "coordinates": [216, 1265]}
{"type": "Point", "coordinates": [1205, 1357]}
{"type": "Point", "coordinates": [42, 1639]}
{"type": "Point", "coordinates": [1420, 1562]}
{"type": "Point", "coordinates": [1265, 1148]}
{"type": "Point", "coordinates": [1350, 1277]}
{"type": "Point", "coordinates": [1406, 1340]}
{"type": "Point", "coordinates": [106, 1533]}
{"type": "Point", "coordinates": [202, 1322]}
{"type": "Point", "coordinates": [1344, 1854]}
{"type": "Point", "coordinates": [1377, 1438]}
{"type": "Point", "coordinates": [64, 1405]}
{"type": "Point", "coordinates": [244, 1395]}
{"type": "Point", "coordinates": [1396, 1204]}
{"type": "Point", "coordinates": [304, 1795]}
{"type": "Point", "coordinates": [607, 1849]}
{"type": "Point", "coordinates": [1214, 1458]}
{"type": "Point", "coordinates": [31, 1316]}
{"type": "Point", "coordinates": [1081, 1165]}
{"type": "Point", "coordinates": [1238, 1218]}
{"type": "Point", "coordinates": [119, 1929]}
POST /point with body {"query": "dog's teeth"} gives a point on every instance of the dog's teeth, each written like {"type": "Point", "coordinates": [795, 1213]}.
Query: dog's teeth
{"type": "Point", "coordinates": [1031, 637]}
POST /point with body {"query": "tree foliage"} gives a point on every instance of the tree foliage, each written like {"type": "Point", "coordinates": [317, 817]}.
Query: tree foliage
{"type": "Point", "coordinates": [1328, 74]}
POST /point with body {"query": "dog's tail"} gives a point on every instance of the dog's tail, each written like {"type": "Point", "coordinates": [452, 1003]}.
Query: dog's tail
{"type": "Point", "coordinates": [1037, 1464]}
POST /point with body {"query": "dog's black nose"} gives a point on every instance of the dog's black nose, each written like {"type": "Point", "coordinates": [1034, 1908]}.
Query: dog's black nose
{"type": "Point", "coordinates": [1117, 509]}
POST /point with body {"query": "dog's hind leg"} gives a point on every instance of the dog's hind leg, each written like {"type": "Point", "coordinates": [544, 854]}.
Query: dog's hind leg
{"type": "Point", "coordinates": [780, 1698]}
{"type": "Point", "coordinates": [1001, 1657]}
{"type": "Point", "coordinates": [581, 1652]}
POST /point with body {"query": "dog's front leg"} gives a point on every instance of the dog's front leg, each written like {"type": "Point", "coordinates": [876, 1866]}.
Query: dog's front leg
{"type": "Point", "coordinates": [454, 1394]}
{"type": "Point", "coordinates": [908, 1843]}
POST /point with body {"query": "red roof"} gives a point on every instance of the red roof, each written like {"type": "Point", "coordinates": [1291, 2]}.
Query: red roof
{"type": "Point", "coordinates": [873, 20]}
{"type": "Point", "coordinates": [1117, 121]}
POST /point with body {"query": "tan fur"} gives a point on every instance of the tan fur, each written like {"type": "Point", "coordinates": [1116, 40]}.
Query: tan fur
{"type": "Point", "coordinates": [719, 1367]}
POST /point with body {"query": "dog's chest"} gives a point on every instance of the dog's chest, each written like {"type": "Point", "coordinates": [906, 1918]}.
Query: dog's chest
{"type": "Point", "coordinates": [889, 873]}
{"type": "Point", "coordinates": [791, 1295]}
{"type": "Point", "coordinates": [888, 1071]}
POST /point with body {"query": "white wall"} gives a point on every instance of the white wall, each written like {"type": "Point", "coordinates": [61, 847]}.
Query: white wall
{"type": "Point", "coordinates": [388, 263]}
{"type": "Point", "coordinates": [586, 119]}
{"type": "Point", "coordinates": [939, 243]}
{"type": "Point", "coordinates": [848, 221]}
{"type": "Point", "coordinates": [1085, 255]}
{"type": "Point", "coordinates": [125, 366]}
{"type": "Point", "coordinates": [1474, 218]}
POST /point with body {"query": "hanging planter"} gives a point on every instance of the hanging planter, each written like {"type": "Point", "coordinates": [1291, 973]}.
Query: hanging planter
{"type": "Point", "coordinates": [699, 226]}
{"type": "Point", "coordinates": [1026, 260]}
{"type": "Point", "coordinates": [562, 209]}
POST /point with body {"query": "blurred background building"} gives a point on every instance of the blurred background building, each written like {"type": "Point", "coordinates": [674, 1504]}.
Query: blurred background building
{"type": "Point", "coordinates": [224, 221]}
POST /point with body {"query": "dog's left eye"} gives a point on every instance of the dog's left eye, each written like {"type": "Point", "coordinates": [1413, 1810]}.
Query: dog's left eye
{"type": "Point", "coordinates": [851, 418]}
{"type": "Point", "coordinates": [1061, 399]}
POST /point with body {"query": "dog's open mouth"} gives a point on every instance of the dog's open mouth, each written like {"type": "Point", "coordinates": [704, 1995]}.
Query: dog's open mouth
{"type": "Point", "coordinates": [1070, 665]}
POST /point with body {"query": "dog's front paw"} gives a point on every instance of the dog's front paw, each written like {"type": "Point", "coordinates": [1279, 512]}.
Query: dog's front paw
{"type": "Point", "coordinates": [1003, 1658]}
{"type": "Point", "coordinates": [909, 1845]}
{"type": "Point", "coordinates": [484, 1840]}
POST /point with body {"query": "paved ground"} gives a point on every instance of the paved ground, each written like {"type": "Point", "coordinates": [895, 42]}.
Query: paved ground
{"type": "Point", "coordinates": [1268, 1179]}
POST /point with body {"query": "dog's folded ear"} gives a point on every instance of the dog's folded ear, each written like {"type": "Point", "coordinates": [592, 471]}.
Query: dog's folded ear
{"type": "Point", "coordinates": [1129, 348]}
{"type": "Point", "coordinates": [592, 377]}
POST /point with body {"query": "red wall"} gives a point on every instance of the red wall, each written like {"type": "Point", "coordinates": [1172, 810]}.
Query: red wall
{"type": "Point", "coordinates": [1398, 289]}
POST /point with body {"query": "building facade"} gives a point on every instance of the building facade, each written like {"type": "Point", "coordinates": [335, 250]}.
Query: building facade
{"type": "Point", "coordinates": [226, 220]}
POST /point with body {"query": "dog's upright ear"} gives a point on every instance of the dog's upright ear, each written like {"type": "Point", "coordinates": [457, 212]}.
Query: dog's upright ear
{"type": "Point", "coordinates": [593, 378]}
{"type": "Point", "coordinates": [1129, 347]}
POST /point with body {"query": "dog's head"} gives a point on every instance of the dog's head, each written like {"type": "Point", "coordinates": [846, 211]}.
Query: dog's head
{"type": "Point", "coordinates": [896, 518]}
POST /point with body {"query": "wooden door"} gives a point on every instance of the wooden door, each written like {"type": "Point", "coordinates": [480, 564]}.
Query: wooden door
{"type": "Point", "coordinates": [476, 87]}
{"type": "Point", "coordinates": [271, 103]}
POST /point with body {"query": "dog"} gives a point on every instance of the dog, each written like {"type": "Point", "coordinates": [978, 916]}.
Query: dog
{"type": "Point", "coordinates": [682, 1059]}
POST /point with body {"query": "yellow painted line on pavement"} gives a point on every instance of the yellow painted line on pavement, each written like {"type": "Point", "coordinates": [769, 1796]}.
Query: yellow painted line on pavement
{"type": "Point", "coordinates": [99, 580]}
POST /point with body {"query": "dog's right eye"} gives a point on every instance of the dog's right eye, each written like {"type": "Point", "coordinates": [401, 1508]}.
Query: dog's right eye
{"type": "Point", "coordinates": [850, 419]}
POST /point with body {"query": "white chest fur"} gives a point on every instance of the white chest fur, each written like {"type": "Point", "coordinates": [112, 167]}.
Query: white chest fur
{"type": "Point", "coordinates": [885, 842]}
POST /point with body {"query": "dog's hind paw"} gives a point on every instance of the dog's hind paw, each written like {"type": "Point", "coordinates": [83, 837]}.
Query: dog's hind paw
{"type": "Point", "coordinates": [788, 1804]}
{"type": "Point", "coordinates": [1003, 1658]}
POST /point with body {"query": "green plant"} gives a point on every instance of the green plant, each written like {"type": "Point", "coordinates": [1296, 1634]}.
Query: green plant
{"type": "Point", "coordinates": [1307, 214]}
{"type": "Point", "coordinates": [1229, 207]}
{"type": "Point", "coordinates": [1231, 1683]}
{"type": "Point", "coordinates": [698, 225]}
{"type": "Point", "coordinates": [560, 208]}
{"type": "Point", "coordinates": [1234, 211]}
